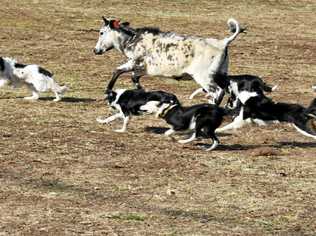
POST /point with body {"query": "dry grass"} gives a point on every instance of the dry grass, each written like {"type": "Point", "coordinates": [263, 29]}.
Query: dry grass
{"type": "Point", "coordinates": [64, 174]}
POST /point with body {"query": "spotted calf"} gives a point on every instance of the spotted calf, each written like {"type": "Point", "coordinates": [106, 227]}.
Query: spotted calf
{"type": "Point", "coordinates": [150, 51]}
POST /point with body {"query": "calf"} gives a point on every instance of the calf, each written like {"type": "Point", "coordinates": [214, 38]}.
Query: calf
{"type": "Point", "coordinates": [152, 52]}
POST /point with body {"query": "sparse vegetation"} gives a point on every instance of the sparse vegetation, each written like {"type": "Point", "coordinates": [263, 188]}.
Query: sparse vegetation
{"type": "Point", "coordinates": [62, 173]}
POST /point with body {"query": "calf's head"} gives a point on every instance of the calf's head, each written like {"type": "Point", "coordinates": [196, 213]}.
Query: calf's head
{"type": "Point", "coordinates": [109, 36]}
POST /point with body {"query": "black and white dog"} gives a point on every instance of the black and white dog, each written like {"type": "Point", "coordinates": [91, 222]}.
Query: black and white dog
{"type": "Point", "coordinates": [132, 102]}
{"type": "Point", "coordinates": [259, 109]}
{"type": "Point", "coordinates": [34, 77]}
{"type": "Point", "coordinates": [235, 84]}
{"type": "Point", "coordinates": [201, 120]}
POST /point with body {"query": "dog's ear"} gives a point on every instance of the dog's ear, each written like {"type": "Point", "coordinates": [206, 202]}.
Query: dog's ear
{"type": "Point", "coordinates": [110, 95]}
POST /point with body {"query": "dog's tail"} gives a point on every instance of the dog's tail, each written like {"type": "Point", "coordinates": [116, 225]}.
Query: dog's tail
{"type": "Point", "coordinates": [307, 126]}
{"type": "Point", "coordinates": [62, 89]}
{"type": "Point", "coordinates": [59, 89]}
{"type": "Point", "coordinates": [234, 28]}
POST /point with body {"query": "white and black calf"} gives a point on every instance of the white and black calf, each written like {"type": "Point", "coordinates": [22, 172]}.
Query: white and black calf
{"type": "Point", "coordinates": [131, 102]}
{"type": "Point", "coordinates": [152, 52]}
{"type": "Point", "coordinates": [262, 110]}
{"type": "Point", "coordinates": [201, 120]}
{"type": "Point", "coordinates": [34, 77]}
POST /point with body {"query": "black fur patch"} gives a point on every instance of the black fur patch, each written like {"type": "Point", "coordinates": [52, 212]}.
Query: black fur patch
{"type": "Point", "coordinates": [19, 65]}
{"type": "Point", "coordinates": [152, 30]}
{"type": "Point", "coordinates": [130, 101]}
{"type": "Point", "coordinates": [1, 64]}
{"type": "Point", "coordinates": [171, 45]}
{"type": "Point", "coordinates": [264, 108]}
{"type": "Point", "coordinates": [208, 118]}
{"type": "Point", "coordinates": [45, 72]}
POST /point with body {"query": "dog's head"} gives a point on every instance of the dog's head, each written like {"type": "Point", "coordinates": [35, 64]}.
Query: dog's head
{"type": "Point", "coordinates": [20, 71]}
{"type": "Point", "coordinates": [110, 96]}
{"type": "Point", "coordinates": [164, 97]}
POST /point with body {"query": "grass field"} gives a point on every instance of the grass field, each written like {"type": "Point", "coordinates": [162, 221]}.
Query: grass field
{"type": "Point", "coordinates": [62, 173]}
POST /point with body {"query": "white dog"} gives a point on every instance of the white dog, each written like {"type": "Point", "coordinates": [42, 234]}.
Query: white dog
{"type": "Point", "coordinates": [34, 77]}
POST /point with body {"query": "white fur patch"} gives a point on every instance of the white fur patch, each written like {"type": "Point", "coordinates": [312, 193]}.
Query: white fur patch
{"type": "Point", "coordinates": [119, 93]}
{"type": "Point", "coordinates": [245, 95]}
{"type": "Point", "coordinates": [150, 107]}
{"type": "Point", "coordinates": [30, 76]}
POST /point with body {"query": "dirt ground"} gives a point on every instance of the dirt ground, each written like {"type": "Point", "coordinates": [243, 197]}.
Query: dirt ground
{"type": "Point", "coordinates": [62, 173]}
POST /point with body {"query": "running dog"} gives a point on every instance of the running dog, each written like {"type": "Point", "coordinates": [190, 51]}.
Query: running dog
{"type": "Point", "coordinates": [235, 84]}
{"type": "Point", "coordinates": [201, 120]}
{"type": "Point", "coordinates": [132, 102]}
{"type": "Point", "coordinates": [34, 77]}
{"type": "Point", "coordinates": [259, 109]}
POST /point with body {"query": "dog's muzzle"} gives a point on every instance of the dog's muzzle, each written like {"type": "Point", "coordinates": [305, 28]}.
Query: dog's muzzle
{"type": "Point", "coordinates": [97, 51]}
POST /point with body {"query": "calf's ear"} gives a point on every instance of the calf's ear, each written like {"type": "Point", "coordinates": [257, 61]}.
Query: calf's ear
{"type": "Point", "coordinates": [106, 21]}
{"type": "Point", "coordinates": [114, 24]}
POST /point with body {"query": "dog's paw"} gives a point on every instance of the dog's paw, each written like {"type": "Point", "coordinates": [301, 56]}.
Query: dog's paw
{"type": "Point", "coordinates": [210, 147]}
{"type": "Point", "coordinates": [57, 99]}
{"type": "Point", "coordinates": [101, 120]}
{"type": "Point", "coordinates": [184, 141]}
{"type": "Point", "coordinates": [120, 130]}
{"type": "Point", "coordinates": [30, 98]}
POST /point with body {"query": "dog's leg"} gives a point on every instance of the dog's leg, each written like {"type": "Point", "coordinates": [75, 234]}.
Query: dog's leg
{"type": "Point", "coordinates": [199, 90]}
{"type": "Point", "coordinates": [135, 78]}
{"type": "Point", "coordinates": [58, 98]}
{"type": "Point", "coordinates": [260, 122]}
{"type": "Point", "coordinates": [169, 132]}
{"type": "Point", "coordinates": [59, 91]}
{"type": "Point", "coordinates": [109, 119]}
{"type": "Point", "coordinates": [304, 132]}
{"type": "Point", "coordinates": [192, 138]}
{"type": "Point", "coordinates": [3, 82]}
{"type": "Point", "coordinates": [238, 122]}
{"type": "Point", "coordinates": [220, 93]}
{"type": "Point", "coordinates": [35, 96]}
{"type": "Point", "coordinates": [125, 122]}
{"type": "Point", "coordinates": [214, 145]}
